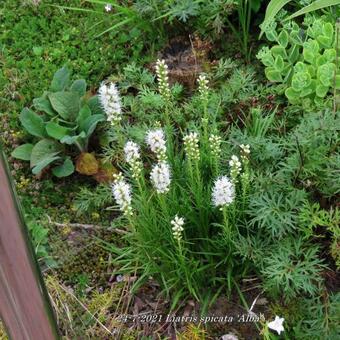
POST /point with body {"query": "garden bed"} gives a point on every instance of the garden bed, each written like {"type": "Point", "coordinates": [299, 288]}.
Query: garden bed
{"type": "Point", "coordinates": [179, 176]}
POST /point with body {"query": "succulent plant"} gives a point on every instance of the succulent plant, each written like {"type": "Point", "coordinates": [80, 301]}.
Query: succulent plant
{"type": "Point", "coordinates": [303, 60]}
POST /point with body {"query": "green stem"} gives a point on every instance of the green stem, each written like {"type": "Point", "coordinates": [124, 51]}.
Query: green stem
{"type": "Point", "coordinates": [120, 136]}
{"type": "Point", "coordinates": [163, 205]}
{"type": "Point", "coordinates": [226, 223]}
{"type": "Point", "coordinates": [205, 122]}
{"type": "Point", "coordinates": [80, 148]}
{"type": "Point", "coordinates": [131, 223]}
{"type": "Point", "coordinates": [215, 166]}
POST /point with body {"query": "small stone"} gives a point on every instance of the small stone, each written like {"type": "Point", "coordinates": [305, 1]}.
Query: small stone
{"type": "Point", "coordinates": [229, 336]}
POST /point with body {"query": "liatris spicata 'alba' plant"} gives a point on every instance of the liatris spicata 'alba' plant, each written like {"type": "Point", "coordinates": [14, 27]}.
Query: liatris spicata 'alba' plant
{"type": "Point", "coordinates": [156, 142]}
{"type": "Point", "coordinates": [203, 88]}
{"type": "Point", "coordinates": [161, 177]}
{"type": "Point", "coordinates": [245, 176]}
{"type": "Point", "coordinates": [122, 193]}
{"type": "Point", "coordinates": [163, 79]}
{"type": "Point", "coordinates": [215, 145]}
{"type": "Point", "coordinates": [191, 146]}
{"type": "Point", "coordinates": [110, 100]}
{"type": "Point", "coordinates": [183, 189]}
{"type": "Point", "coordinates": [214, 142]}
{"type": "Point", "coordinates": [132, 157]}
{"type": "Point", "coordinates": [245, 152]}
{"type": "Point", "coordinates": [177, 228]}
{"type": "Point", "coordinates": [235, 168]}
{"type": "Point", "coordinates": [223, 193]}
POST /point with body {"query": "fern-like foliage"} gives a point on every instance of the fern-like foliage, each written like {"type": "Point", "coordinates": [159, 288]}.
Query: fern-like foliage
{"type": "Point", "coordinates": [291, 268]}
{"type": "Point", "coordinates": [89, 200]}
{"type": "Point", "coordinates": [319, 319]}
{"type": "Point", "coordinates": [276, 211]}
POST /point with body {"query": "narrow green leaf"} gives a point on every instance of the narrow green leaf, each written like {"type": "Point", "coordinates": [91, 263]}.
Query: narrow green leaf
{"type": "Point", "coordinates": [121, 23]}
{"type": "Point", "coordinates": [273, 8]}
{"type": "Point", "coordinates": [314, 6]}
{"type": "Point", "coordinates": [78, 9]}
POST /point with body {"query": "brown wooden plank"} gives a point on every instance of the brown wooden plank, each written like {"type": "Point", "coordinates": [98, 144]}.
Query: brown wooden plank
{"type": "Point", "coordinates": [24, 303]}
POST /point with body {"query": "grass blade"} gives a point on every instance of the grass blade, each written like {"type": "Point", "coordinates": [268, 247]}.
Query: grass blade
{"type": "Point", "coordinates": [319, 4]}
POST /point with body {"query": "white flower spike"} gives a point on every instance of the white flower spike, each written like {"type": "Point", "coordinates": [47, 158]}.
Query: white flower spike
{"type": "Point", "coordinates": [235, 168]}
{"type": "Point", "coordinates": [110, 100]}
{"type": "Point", "coordinates": [160, 177]}
{"type": "Point", "coordinates": [203, 88]}
{"type": "Point", "coordinates": [215, 145]}
{"type": "Point", "coordinates": [156, 142]}
{"type": "Point", "coordinates": [163, 79]}
{"type": "Point", "coordinates": [191, 146]}
{"type": "Point", "coordinates": [131, 150]}
{"type": "Point", "coordinates": [223, 192]}
{"type": "Point", "coordinates": [132, 157]}
{"type": "Point", "coordinates": [245, 152]}
{"type": "Point", "coordinates": [177, 228]}
{"type": "Point", "coordinates": [122, 194]}
{"type": "Point", "coordinates": [245, 148]}
{"type": "Point", "coordinates": [277, 324]}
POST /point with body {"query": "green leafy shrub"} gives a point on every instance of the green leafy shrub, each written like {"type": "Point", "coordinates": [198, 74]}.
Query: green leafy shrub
{"type": "Point", "coordinates": [303, 60]}
{"type": "Point", "coordinates": [66, 116]}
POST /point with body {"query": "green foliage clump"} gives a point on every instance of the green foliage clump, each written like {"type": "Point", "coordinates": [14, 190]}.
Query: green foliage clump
{"type": "Point", "coordinates": [303, 60]}
{"type": "Point", "coordinates": [207, 17]}
{"type": "Point", "coordinates": [89, 200]}
{"type": "Point", "coordinates": [39, 238]}
{"type": "Point", "coordinates": [319, 318]}
{"type": "Point", "coordinates": [313, 155]}
{"type": "Point", "coordinates": [277, 211]}
{"type": "Point", "coordinates": [67, 116]}
{"type": "Point", "coordinates": [292, 268]}
{"type": "Point", "coordinates": [312, 217]}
